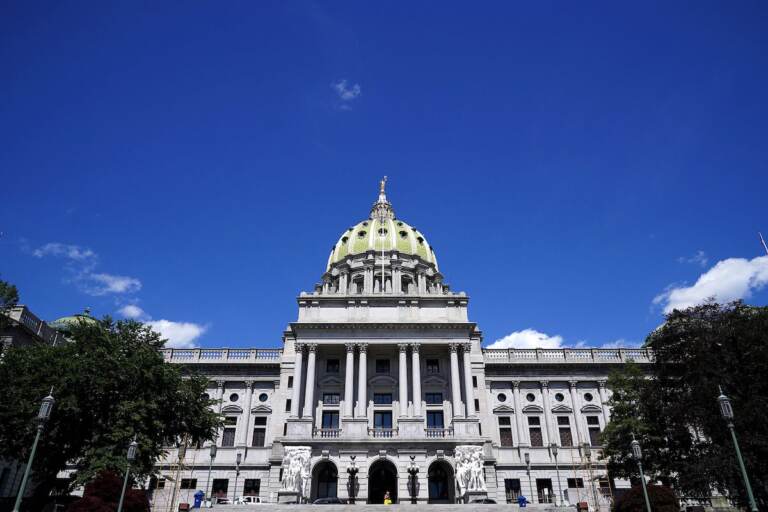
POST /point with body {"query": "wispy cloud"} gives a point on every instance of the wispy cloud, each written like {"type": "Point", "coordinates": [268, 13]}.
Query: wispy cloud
{"type": "Point", "coordinates": [178, 334]}
{"type": "Point", "coordinates": [347, 93]}
{"type": "Point", "coordinates": [621, 343]}
{"type": "Point", "coordinates": [727, 280]}
{"type": "Point", "coordinates": [528, 338]}
{"type": "Point", "coordinates": [72, 252]}
{"type": "Point", "coordinates": [700, 258]}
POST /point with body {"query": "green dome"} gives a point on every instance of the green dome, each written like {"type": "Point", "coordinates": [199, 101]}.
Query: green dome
{"type": "Point", "coordinates": [65, 323]}
{"type": "Point", "coordinates": [382, 232]}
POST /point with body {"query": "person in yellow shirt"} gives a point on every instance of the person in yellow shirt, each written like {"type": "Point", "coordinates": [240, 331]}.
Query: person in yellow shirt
{"type": "Point", "coordinates": [387, 498]}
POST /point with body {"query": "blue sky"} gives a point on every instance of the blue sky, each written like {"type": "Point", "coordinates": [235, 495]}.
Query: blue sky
{"type": "Point", "coordinates": [579, 167]}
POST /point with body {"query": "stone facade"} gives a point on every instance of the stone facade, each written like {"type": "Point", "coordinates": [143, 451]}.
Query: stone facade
{"type": "Point", "coordinates": [382, 385]}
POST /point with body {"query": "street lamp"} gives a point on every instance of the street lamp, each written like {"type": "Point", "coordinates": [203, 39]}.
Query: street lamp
{"type": "Point", "coordinates": [238, 460]}
{"type": "Point", "coordinates": [553, 447]}
{"type": "Point", "coordinates": [528, 470]}
{"type": "Point", "coordinates": [210, 466]}
{"type": "Point", "coordinates": [130, 456]}
{"type": "Point", "coordinates": [726, 411]}
{"type": "Point", "coordinates": [637, 454]}
{"type": "Point", "coordinates": [42, 417]}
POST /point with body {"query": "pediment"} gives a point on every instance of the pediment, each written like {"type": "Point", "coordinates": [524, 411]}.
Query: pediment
{"type": "Point", "coordinates": [232, 409]}
{"type": "Point", "coordinates": [504, 409]}
{"type": "Point", "coordinates": [434, 380]}
{"type": "Point", "coordinates": [382, 380]}
{"type": "Point", "coordinates": [261, 408]}
{"type": "Point", "coordinates": [533, 408]}
{"type": "Point", "coordinates": [561, 408]}
{"type": "Point", "coordinates": [330, 380]}
{"type": "Point", "coordinates": [591, 408]}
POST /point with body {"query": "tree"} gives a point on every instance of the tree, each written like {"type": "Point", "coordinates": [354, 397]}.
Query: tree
{"type": "Point", "coordinates": [110, 384]}
{"type": "Point", "coordinates": [103, 493]}
{"type": "Point", "coordinates": [662, 499]}
{"type": "Point", "coordinates": [674, 412]}
{"type": "Point", "coordinates": [9, 297]}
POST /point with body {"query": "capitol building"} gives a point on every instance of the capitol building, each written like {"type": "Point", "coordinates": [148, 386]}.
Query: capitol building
{"type": "Point", "coordinates": [382, 386]}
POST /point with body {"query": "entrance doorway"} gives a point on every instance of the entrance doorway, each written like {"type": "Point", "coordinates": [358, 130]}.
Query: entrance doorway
{"type": "Point", "coordinates": [382, 477]}
{"type": "Point", "coordinates": [325, 480]}
{"type": "Point", "coordinates": [441, 483]}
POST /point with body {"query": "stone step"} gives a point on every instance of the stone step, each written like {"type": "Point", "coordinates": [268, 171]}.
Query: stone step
{"type": "Point", "coordinates": [500, 507]}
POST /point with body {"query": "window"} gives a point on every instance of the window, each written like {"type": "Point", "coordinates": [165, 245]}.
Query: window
{"type": "Point", "coordinates": [154, 483]}
{"type": "Point", "coordinates": [382, 419]}
{"type": "Point", "coordinates": [566, 438]}
{"type": "Point", "coordinates": [234, 397]}
{"type": "Point", "coordinates": [433, 366]}
{"type": "Point", "coordinates": [382, 366]}
{"type": "Point", "coordinates": [435, 419]}
{"type": "Point", "coordinates": [530, 397]}
{"type": "Point", "coordinates": [544, 490]}
{"type": "Point", "coordinates": [559, 397]}
{"type": "Point", "coordinates": [534, 429]}
{"type": "Point", "coordinates": [382, 398]}
{"type": "Point", "coordinates": [593, 424]}
{"type": "Point", "coordinates": [477, 405]}
{"type": "Point", "coordinates": [228, 439]}
{"type": "Point", "coordinates": [505, 431]}
{"type": "Point", "coordinates": [512, 489]}
{"type": "Point", "coordinates": [259, 431]}
{"type": "Point", "coordinates": [330, 419]}
{"type": "Point", "coordinates": [434, 398]}
{"type": "Point", "coordinates": [331, 398]}
{"type": "Point", "coordinates": [474, 381]}
{"type": "Point", "coordinates": [219, 487]}
{"type": "Point", "coordinates": [575, 483]}
{"type": "Point", "coordinates": [188, 483]}
{"type": "Point", "coordinates": [501, 397]}
{"type": "Point", "coordinates": [332, 366]}
{"type": "Point", "coordinates": [252, 487]}
{"type": "Point", "coordinates": [285, 429]}
{"type": "Point", "coordinates": [290, 381]}
{"type": "Point", "coordinates": [230, 420]}
{"type": "Point", "coordinates": [588, 397]}
{"type": "Point", "coordinates": [263, 397]}
{"type": "Point", "coordinates": [288, 405]}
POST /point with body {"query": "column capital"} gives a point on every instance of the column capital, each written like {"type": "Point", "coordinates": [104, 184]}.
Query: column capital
{"type": "Point", "coordinates": [312, 347]}
{"type": "Point", "coordinates": [415, 348]}
{"type": "Point", "coordinates": [249, 384]}
{"type": "Point", "coordinates": [350, 347]}
{"type": "Point", "coordinates": [601, 384]}
{"type": "Point", "coordinates": [220, 384]}
{"type": "Point", "coordinates": [453, 347]}
{"type": "Point", "coordinates": [544, 384]}
{"type": "Point", "coordinates": [516, 385]}
{"type": "Point", "coordinates": [362, 347]}
{"type": "Point", "coordinates": [572, 384]}
{"type": "Point", "coordinates": [466, 348]}
{"type": "Point", "coordinates": [298, 347]}
{"type": "Point", "coordinates": [403, 347]}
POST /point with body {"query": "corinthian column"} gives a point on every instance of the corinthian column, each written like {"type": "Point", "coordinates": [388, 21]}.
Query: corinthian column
{"type": "Point", "coordinates": [455, 384]}
{"type": "Point", "coordinates": [518, 412]}
{"type": "Point", "coordinates": [548, 420]}
{"type": "Point", "coordinates": [362, 392]}
{"type": "Point", "coordinates": [416, 369]}
{"type": "Point", "coordinates": [297, 371]}
{"type": "Point", "coordinates": [403, 370]}
{"type": "Point", "coordinates": [576, 411]}
{"type": "Point", "coordinates": [349, 381]}
{"type": "Point", "coordinates": [247, 413]}
{"type": "Point", "coordinates": [309, 392]}
{"type": "Point", "coordinates": [468, 395]}
{"type": "Point", "coordinates": [604, 401]}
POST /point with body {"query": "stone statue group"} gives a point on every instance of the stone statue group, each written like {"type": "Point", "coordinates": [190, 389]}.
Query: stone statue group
{"type": "Point", "coordinates": [469, 469]}
{"type": "Point", "coordinates": [296, 470]}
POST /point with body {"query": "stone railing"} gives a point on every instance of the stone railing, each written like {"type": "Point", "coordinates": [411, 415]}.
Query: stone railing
{"type": "Point", "coordinates": [382, 432]}
{"type": "Point", "coordinates": [39, 328]}
{"type": "Point", "coordinates": [566, 355]}
{"type": "Point", "coordinates": [327, 433]}
{"type": "Point", "coordinates": [222, 355]}
{"type": "Point", "coordinates": [436, 433]}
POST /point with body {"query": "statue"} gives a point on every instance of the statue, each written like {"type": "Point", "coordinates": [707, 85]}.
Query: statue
{"type": "Point", "coordinates": [469, 469]}
{"type": "Point", "coordinates": [296, 474]}
{"type": "Point", "coordinates": [382, 184]}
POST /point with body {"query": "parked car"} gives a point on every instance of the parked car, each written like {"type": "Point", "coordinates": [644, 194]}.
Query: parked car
{"type": "Point", "coordinates": [223, 501]}
{"type": "Point", "coordinates": [329, 501]}
{"type": "Point", "coordinates": [484, 500]}
{"type": "Point", "coordinates": [249, 500]}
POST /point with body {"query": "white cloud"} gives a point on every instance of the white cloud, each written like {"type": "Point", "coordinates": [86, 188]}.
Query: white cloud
{"type": "Point", "coordinates": [132, 311]}
{"type": "Point", "coordinates": [345, 91]}
{"type": "Point", "coordinates": [109, 283]}
{"type": "Point", "coordinates": [72, 252]}
{"type": "Point", "coordinates": [700, 258]}
{"type": "Point", "coordinates": [528, 338]}
{"type": "Point", "coordinates": [621, 343]}
{"type": "Point", "coordinates": [731, 279]}
{"type": "Point", "coordinates": [179, 334]}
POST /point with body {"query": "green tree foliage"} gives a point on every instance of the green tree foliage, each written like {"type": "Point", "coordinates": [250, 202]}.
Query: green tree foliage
{"type": "Point", "coordinates": [673, 409]}
{"type": "Point", "coordinates": [111, 384]}
{"type": "Point", "coordinates": [9, 297]}
{"type": "Point", "coordinates": [662, 499]}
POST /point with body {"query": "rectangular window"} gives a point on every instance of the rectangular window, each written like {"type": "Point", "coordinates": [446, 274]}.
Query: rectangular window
{"type": "Point", "coordinates": [188, 483]}
{"type": "Point", "coordinates": [382, 398]}
{"type": "Point", "coordinates": [593, 420]}
{"type": "Point", "coordinates": [477, 405]}
{"type": "Point", "coordinates": [433, 366]}
{"type": "Point", "coordinates": [505, 431]}
{"type": "Point", "coordinates": [563, 421]}
{"type": "Point", "coordinates": [288, 405]}
{"type": "Point", "coordinates": [534, 421]}
{"type": "Point", "coordinates": [219, 487]}
{"type": "Point", "coordinates": [474, 381]}
{"type": "Point", "coordinates": [594, 436]}
{"type": "Point", "coordinates": [575, 483]}
{"type": "Point", "coordinates": [382, 366]}
{"type": "Point", "coordinates": [259, 437]}
{"type": "Point", "coordinates": [504, 421]}
{"type": "Point", "coordinates": [433, 398]}
{"type": "Point", "coordinates": [382, 419]}
{"type": "Point", "coordinates": [512, 489]}
{"type": "Point", "coordinates": [331, 398]}
{"type": "Point", "coordinates": [566, 439]}
{"type": "Point", "coordinates": [228, 439]}
{"type": "Point", "coordinates": [330, 419]}
{"type": "Point", "coordinates": [332, 366]}
{"type": "Point", "coordinates": [544, 490]}
{"type": "Point", "coordinates": [230, 420]}
{"type": "Point", "coordinates": [260, 420]}
{"type": "Point", "coordinates": [435, 419]}
{"type": "Point", "coordinates": [535, 433]}
{"type": "Point", "coordinates": [252, 487]}
{"type": "Point", "coordinates": [285, 429]}
{"type": "Point", "coordinates": [155, 483]}
{"type": "Point", "coordinates": [290, 381]}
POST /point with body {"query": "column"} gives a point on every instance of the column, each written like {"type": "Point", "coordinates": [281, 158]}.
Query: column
{"type": "Point", "coordinates": [604, 401]}
{"type": "Point", "coordinates": [548, 420]}
{"type": "Point", "coordinates": [309, 392]}
{"type": "Point", "coordinates": [403, 370]}
{"type": "Point", "coordinates": [397, 281]}
{"type": "Point", "coordinates": [362, 373]}
{"type": "Point", "coordinates": [349, 381]}
{"type": "Point", "coordinates": [455, 385]}
{"type": "Point", "coordinates": [518, 413]}
{"type": "Point", "coordinates": [247, 413]}
{"type": "Point", "coordinates": [343, 283]}
{"type": "Point", "coordinates": [220, 393]}
{"type": "Point", "coordinates": [368, 282]}
{"type": "Point", "coordinates": [468, 394]}
{"type": "Point", "coordinates": [576, 411]}
{"type": "Point", "coordinates": [297, 372]}
{"type": "Point", "coordinates": [416, 377]}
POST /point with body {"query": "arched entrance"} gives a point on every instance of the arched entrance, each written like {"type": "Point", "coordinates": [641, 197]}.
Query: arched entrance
{"type": "Point", "coordinates": [441, 483]}
{"type": "Point", "coordinates": [325, 480]}
{"type": "Point", "coordinates": [382, 477]}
